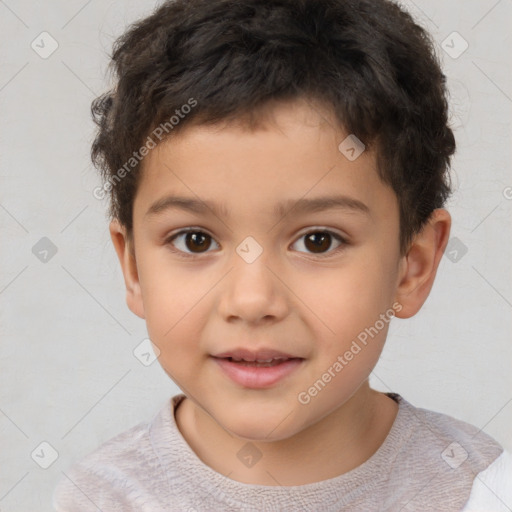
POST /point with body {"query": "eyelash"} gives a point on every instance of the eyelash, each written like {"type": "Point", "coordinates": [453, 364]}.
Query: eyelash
{"type": "Point", "coordinates": [170, 239]}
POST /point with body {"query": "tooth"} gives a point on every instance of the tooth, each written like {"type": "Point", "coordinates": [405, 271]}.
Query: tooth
{"type": "Point", "coordinates": [270, 360]}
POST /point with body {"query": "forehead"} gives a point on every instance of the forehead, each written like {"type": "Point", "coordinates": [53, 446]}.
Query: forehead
{"type": "Point", "coordinates": [296, 157]}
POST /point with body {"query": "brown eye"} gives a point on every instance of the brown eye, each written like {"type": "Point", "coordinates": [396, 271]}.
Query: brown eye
{"type": "Point", "coordinates": [194, 242]}
{"type": "Point", "coordinates": [191, 242]}
{"type": "Point", "coordinates": [319, 242]}
{"type": "Point", "coordinates": [197, 240]}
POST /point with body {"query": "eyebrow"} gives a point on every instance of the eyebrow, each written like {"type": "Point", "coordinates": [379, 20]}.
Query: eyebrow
{"type": "Point", "coordinates": [301, 205]}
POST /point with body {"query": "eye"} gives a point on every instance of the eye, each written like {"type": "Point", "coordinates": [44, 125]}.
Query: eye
{"type": "Point", "coordinates": [320, 241]}
{"type": "Point", "coordinates": [192, 239]}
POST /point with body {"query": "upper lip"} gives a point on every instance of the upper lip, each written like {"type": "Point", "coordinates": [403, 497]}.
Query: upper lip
{"type": "Point", "coordinates": [255, 355]}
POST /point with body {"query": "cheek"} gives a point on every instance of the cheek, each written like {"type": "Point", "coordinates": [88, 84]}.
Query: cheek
{"type": "Point", "coordinates": [347, 304]}
{"type": "Point", "coordinates": [174, 304]}
{"type": "Point", "coordinates": [175, 327]}
{"type": "Point", "coordinates": [345, 300]}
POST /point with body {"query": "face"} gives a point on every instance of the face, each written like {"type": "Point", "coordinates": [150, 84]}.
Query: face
{"type": "Point", "coordinates": [253, 262]}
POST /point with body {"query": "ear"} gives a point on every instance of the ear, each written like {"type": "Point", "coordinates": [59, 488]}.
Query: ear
{"type": "Point", "coordinates": [126, 253]}
{"type": "Point", "coordinates": [418, 268]}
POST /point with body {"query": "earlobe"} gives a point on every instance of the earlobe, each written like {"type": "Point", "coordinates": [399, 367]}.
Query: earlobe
{"type": "Point", "coordinates": [126, 255]}
{"type": "Point", "coordinates": [419, 266]}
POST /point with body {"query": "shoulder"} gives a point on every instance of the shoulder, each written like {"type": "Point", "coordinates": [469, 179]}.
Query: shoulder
{"type": "Point", "coordinates": [113, 477]}
{"type": "Point", "coordinates": [444, 457]}
{"type": "Point", "coordinates": [492, 488]}
{"type": "Point", "coordinates": [455, 438]}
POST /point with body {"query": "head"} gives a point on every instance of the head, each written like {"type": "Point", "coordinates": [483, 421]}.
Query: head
{"type": "Point", "coordinates": [233, 120]}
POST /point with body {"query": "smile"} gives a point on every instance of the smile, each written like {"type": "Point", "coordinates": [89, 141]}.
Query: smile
{"type": "Point", "coordinates": [258, 373]}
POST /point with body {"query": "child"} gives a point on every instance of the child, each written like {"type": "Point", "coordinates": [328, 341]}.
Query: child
{"type": "Point", "coordinates": [302, 147]}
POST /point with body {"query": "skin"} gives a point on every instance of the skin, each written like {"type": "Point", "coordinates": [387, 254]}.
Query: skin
{"type": "Point", "coordinates": [291, 298]}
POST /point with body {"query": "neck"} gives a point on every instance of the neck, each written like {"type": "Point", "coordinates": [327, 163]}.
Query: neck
{"type": "Point", "coordinates": [336, 444]}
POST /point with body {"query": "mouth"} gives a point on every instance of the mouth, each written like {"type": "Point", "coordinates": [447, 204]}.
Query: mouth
{"type": "Point", "coordinates": [266, 363]}
{"type": "Point", "coordinates": [260, 369]}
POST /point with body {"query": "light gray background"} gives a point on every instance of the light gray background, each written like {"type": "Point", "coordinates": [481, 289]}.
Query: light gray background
{"type": "Point", "coordinates": [68, 374]}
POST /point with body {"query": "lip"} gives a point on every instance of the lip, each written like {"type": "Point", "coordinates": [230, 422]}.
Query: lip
{"type": "Point", "coordinates": [253, 355]}
{"type": "Point", "coordinates": [256, 377]}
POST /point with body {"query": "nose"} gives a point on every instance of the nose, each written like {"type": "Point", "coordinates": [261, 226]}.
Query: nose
{"type": "Point", "coordinates": [253, 293]}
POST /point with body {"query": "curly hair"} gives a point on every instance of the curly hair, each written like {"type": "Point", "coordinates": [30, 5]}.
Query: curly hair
{"type": "Point", "coordinates": [207, 61]}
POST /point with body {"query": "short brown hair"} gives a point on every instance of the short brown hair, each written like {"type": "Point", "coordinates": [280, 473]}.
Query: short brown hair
{"type": "Point", "coordinates": [367, 60]}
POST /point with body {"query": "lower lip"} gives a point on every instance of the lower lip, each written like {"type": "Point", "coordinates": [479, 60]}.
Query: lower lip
{"type": "Point", "coordinates": [257, 376]}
